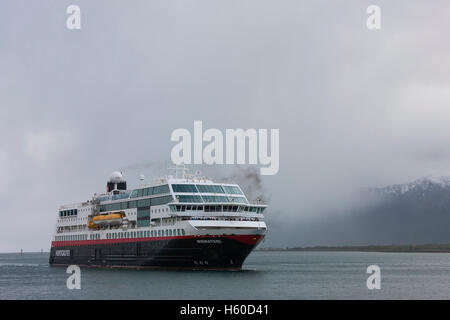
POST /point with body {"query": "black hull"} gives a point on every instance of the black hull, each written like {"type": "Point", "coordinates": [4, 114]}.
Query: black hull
{"type": "Point", "coordinates": [174, 253]}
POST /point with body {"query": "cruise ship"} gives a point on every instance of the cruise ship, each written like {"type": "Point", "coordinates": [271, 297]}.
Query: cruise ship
{"type": "Point", "coordinates": [177, 222]}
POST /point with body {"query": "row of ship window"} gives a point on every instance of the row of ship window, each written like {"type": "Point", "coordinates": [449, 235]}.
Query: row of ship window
{"type": "Point", "coordinates": [146, 203]}
{"type": "Point", "coordinates": [124, 235]}
{"type": "Point", "coordinates": [71, 228]}
{"type": "Point", "coordinates": [75, 237]}
{"type": "Point", "coordinates": [136, 204]}
{"type": "Point", "coordinates": [218, 208]}
{"type": "Point", "coordinates": [68, 213]}
{"type": "Point", "coordinates": [150, 191]}
{"type": "Point", "coordinates": [146, 234]}
{"type": "Point", "coordinates": [137, 193]}
{"type": "Point", "coordinates": [196, 188]}
{"type": "Point", "coordinates": [166, 199]}
{"type": "Point", "coordinates": [203, 198]}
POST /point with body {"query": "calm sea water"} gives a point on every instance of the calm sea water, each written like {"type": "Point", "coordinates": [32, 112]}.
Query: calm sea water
{"type": "Point", "coordinates": [266, 275]}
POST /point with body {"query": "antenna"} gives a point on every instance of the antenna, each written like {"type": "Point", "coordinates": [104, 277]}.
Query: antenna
{"type": "Point", "coordinates": [141, 180]}
{"type": "Point", "coordinates": [180, 167]}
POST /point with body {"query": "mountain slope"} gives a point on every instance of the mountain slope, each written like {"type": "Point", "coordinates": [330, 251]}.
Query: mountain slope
{"type": "Point", "coordinates": [411, 213]}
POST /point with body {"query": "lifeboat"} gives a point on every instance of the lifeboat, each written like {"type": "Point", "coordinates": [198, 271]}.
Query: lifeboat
{"type": "Point", "coordinates": [92, 225]}
{"type": "Point", "coordinates": [115, 218]}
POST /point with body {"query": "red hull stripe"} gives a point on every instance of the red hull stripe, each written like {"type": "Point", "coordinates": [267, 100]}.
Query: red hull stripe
{"type": "Point", "coordinates": [248, 239]}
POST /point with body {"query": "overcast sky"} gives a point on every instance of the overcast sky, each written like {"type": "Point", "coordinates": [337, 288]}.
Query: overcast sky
{"type": "Point", "coordinates": [355, 108]}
